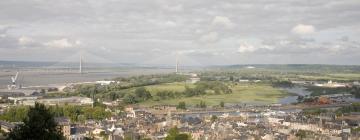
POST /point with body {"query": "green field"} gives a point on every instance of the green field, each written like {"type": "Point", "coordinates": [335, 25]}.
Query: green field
{"type": "Point", "coordinates": [348, 76]}
{"type": "Point", "coordinates": [245, 93]}
{"type": "Point", "coordinates": [178, 86]}
{"type": "Point", "coordinates": [333, 76]}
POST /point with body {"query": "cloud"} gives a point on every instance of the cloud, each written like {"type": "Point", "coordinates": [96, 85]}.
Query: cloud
{"type": "Point", "coordinates": [223, 21]}
{"type": "Point", "coordinates": [170, 24]}
{"type": "Point", "coordinates": [344, 38]}
{"type": "Point", "coordinates": [25, 40]}
{"type": "Point", "coordinates": [127, 27]}
{"type": "Point", "coordinates": [62, 43]}
{"type": "Point", "coordinates": [249, 47]}
{"type": "Point", "coordinates": [245, 47]}
{"type": "Point", "coordinates": [209, 38]}
{"type": "Point", "coordinates": [176, 8]}
{"type": "Point", "coordinates": [302, 29]}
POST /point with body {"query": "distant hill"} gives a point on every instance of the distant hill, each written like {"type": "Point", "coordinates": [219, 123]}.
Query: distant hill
{"type": "Point", "coordinates": [300, 67]}
{"type": "Point", "coordinates": [50, 64]}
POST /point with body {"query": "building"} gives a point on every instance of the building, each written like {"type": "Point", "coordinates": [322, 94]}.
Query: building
{"type": "Point", "coordinates": [58, 101]}
{"type": "Point", "coordinates": [193, 78]}
{"type": "Point", "coordinates": [6, 126]}
{"type": "Point", "coordinates": [78, 133]}
{"type": "Point", "coordinates": [330, 84]}
{"type": "Point", "coordinates": [106, 82]}
{"type": "Point", "coordinates": [64, 126]}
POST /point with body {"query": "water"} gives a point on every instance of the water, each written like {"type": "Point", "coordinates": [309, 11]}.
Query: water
{"type": "Point", "coordinates": [301, 91]}
{"type": "Point", "coordinates": [41, 77]}
{"type": "Point", "coordinates": [297, 91]}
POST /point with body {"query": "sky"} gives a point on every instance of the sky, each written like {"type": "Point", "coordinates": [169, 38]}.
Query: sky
{"type": "Point", "coordinates": [198, 32]}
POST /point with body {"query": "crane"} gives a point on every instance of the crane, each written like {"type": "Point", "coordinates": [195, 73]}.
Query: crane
{"type": "Point", "coordinates": [13, 81]}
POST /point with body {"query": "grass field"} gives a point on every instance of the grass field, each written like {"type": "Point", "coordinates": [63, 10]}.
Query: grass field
{"type": "Point", "coordinates": [178, 86]}
{"type": "Point", "coordinates": [349, 76]}
{"type": "Point", "coordinates": [333, 76]}
{"type": "Point", "coordinates": [245, 93]}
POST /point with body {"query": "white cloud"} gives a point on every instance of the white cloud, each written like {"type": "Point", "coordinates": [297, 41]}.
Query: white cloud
{"type": "Point", "coordinates": [176, 8]}
{"type": "Point", "coordinates": [25, 40]}
{"type": "Point", "coordinates": [2, 35]}
{"type": "Point", "coordinates": [61, 43]}
{"type": "Point", "coordinates": [245, 47]}
{"type": "Point", "coordinates": [170, 24]}
{"type": "Point", "coordinates": [210, 37]}
{"type": "Point", "coordinates": [127, 27]}
{"type": "Point", "coordinates": [302, 29]}
{"type": "Point", "coordinates": [223, 21]}
{"type": "Point", "coordinates": [252, 47]}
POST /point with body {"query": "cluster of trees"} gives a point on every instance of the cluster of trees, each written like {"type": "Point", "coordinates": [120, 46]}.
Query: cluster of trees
{"type": "Point", "coordinates": [229, 75]}
{"type": "Point", "coordinates": [167, 94]}
{"type": "Point", "coordinates": [301, 134]}
{"type": "Point", "coordinates": [15, 114]}
{"type": "Point", "coordinates": [80, 113]}
{"type": "Point", "coordinates": [75, 113]}
{"type": "Point", "coordinates": [355, 107]}
{"type": "Point", "coordinates": [145, 80]}
{"type": "Point", "coordinates": [174, 134]}
{"type": "Point", "coordinates": [317, 91]}
{"type": "Point", "coordinates": [115, 91]}
{"type": "Point", "coordinates": [39, 124]}
{"type": "Point", "coordinates": [282, 84]}
{"type": "Point", "coordinates": [201, 88]}
{"type": "Point", "coordinates": [181, 105]}
{"type": "Point", "coordinates": [307, 99]}
{"type": "Point", "coordinates": [124, 89]}
{"type": "Point", "coordinates": [202, 104]}
{"type": "Point", "coordinates": [216, 86]}
{"type": "Point", "coordinates": [222, 104]}
{"type": "Point", "coordinates": [355, 90]}
{"type": "Point", "coordinates": [213, 118]}
{"type": "Point", "coordinates": [316, 111]}
{"type": "Point", "coordinates": [140, 94]}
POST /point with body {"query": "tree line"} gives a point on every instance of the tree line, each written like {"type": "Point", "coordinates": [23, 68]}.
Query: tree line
{"type": "Point", "coordinates": [201, 88]}
{"type": "Point", "coordinates": [75, 113]}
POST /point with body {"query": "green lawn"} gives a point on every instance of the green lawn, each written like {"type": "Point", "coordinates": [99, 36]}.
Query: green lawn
{"type": "Point", "coordinates": [245, 93]}
{"type": "Point", "coordinates": [178, 86]}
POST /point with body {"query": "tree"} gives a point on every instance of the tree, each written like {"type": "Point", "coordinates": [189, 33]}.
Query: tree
{"type": "Point", "coordinates": [301, 134]}
{"type": "Point", "coordinates": [202, 104]}
{"type": "Point", "coordinates": [213, 118]}
{"type": "Point", "coordinates": [142, 94]}
{"type": "Point", "coordinates": [231, 78]}
{"type": "Point", "coordinates": [182, 137]}
{"type": "Point", "coordinates": [222, 104]}
{"type": "Point", "coordinates": [181, 105]}
{"type": "Point", "coordinates": [42, 91]}
{"type": "Point", "coordinates": [38, 125]}
{"type": "Point", "coordinates": [174, 134]}
{"type": "Point", "coordinates": [130, 99]}
{"type": "Point", "coordinates": [15, 114]}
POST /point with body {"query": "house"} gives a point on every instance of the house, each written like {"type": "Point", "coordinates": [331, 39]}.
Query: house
{"type": "Point", "coordinates": [117, 134]}
{"type": "Point", "coordinates": [6, 126]}
{"type": "Point", "coordinates": [193, 78]}
{"type": "Point", "coordinates": [78, 133]}
{"type": "Point", "coordinates": [63, 125]}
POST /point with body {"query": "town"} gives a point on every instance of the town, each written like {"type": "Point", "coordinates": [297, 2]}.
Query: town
{"type": "Point", "coordinates": [179, 70]}
{"type": "Point", "coordinates": [123, 108]}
